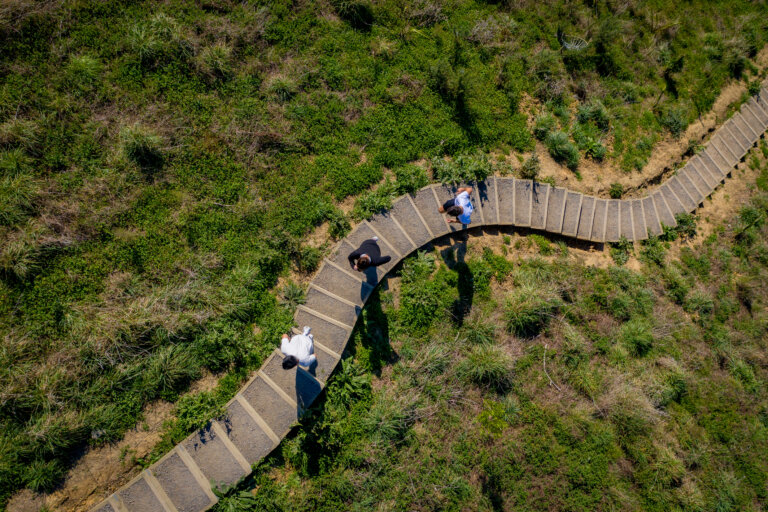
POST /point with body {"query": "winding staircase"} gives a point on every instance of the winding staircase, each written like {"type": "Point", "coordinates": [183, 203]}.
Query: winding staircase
{"type": "Point", "coordinates": [266, 408]}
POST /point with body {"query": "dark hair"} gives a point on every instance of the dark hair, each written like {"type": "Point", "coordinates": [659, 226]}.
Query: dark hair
{"type": "Point", "coordinates": [454, 210]}
{"type": "Point", "coordinates": [289, 362]}
{"type": "Point", "coordinates": [363, 263]}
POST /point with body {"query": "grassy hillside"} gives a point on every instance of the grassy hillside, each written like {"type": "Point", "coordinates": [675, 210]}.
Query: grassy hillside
{"type": "Point", "coordinates": [162, 165]}
{"type": "Point", "coordinates": [483, 382]}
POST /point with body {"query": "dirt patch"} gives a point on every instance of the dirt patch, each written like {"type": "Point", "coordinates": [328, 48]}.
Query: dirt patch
{"type": "Point", "coordinates": [101, 471]}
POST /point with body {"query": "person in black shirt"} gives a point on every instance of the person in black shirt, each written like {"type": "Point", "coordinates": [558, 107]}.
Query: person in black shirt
{"type": "Point", "coordinates": [367, 255]}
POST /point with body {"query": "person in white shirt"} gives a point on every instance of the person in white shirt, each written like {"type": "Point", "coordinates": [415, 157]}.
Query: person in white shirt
{"type": "Point", "coordinates": [300, 349]}
{"type": "Point", "coordinates": [459, 206]}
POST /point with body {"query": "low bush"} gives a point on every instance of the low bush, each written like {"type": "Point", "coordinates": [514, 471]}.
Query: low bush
{"type": "Point", "coordinates": [531, 167]}
{"type": "Point", "coordinates": [529, 308]}
{"type": "Point", "coordinates": [543, 126]}
{"type": "Point", "coordinates": [562, 149]}
{"type": "Point", "coordinates": [637, 337]}
{"type": "Point", "coordinates": [462, 169]}
{"type": "Point", "coordinates": [488, 367]}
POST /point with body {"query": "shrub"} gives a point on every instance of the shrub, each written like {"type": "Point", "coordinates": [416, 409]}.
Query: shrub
{"type": "Point", "coordinates": [82, 73]}
{"type": "Point", "coordinates": [43, 476]}
{"type": "Point", "coordinates": [488, 367]}
{"type": "Point", "coordinates": [168, 369]}
{"type": "Point", "coordinates": [283, 88]}
{"type": "Point", "coordinates": [16, 198]}
{"type": "Point", "coordinates": [597, 151]}
{"type": "Point", "coordinates": [562, 149]}
{"type": "Point", "coordinates": [653, 250]}
{"type": "Point", "coordinates": [674, 120]}
{"type": "Point", "coordinates": [410, 178]}
{"type": "Point", "coordinates": [462, 169]}
{"type": "Point", "coordinates": [621, 250]}
{"type": "Point", "coordinates": [594, 112]}
{"type": "Point", "coordinates": [616, 190]}
{"type": "Point", "coordinates": [636, 335]}
{"type": "Point", "coordinates": [531, 168]}
{"type": "Point", "coordinates": [142, 147]}
{"type": "Point", "coordinates": [374, 201]}
{"type": "Point", "coordinates": [338, 224]}
{"type": "Point", "coordinates": [291, 295]}
{"type": "Point", "coordinates": [215, 61]}
{"type": "Point", "coordinates": [543, 125]}
{"type": "Point", "coordinates": [529, 307]}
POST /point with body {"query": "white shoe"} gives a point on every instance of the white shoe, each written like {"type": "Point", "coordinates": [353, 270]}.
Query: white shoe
{"type": "Point", "coordinates": [375, 239]}
{"type": "Point", "coordinates": [306, 330]}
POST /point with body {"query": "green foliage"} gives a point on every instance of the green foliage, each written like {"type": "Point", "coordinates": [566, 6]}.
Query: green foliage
{"type": "Point", "coordinates": [488, 367]}
{"type": "Point", "coordinates": [215, 61]}
{"type": "Point", "coordinates": [142, 147]}
{"type": "Point", "coordinates": [168, 369]}
{"type": "Point", "coordinates": [410, 179]}
{"type": "Point", "coordinates": [621, 250]}
{"type": "Point", "coordinates": [530, 168]}
{"type": "Point", "coordinates": [637, 336]}
{"type": "Point", "coordinates": [674, 120]}
{"type": "Point", "coordinates": [594, 112]}
{"type": "Point", "coordinates": [616, 190]}
{"type": "Point", "coordinates": [529, 308]}
{"type": "Point", "coordinates": [462, 169]}
{"type": "Point", "coordinates": [291, 295]}
{"type": "Point", "coordinates": [562, 149]}
{"type": "Point", "coordinates": [543, 125]}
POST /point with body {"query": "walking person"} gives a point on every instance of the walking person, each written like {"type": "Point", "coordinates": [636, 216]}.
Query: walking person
{"type": "Point", "coordinates": [367, 255]}
{"type": "Point", "coordinates": [299, 349]}
{"type": "Point", "coordinates": [459, 206]}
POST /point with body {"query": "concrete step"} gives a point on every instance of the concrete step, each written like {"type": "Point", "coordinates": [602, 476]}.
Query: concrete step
{"type": "Point", "coordinates": [712, 180]}
{"type": "Point", "coordinates": [348, 286]}
{"type": "Point", "coordinates": [446, 192]}
{"type": "Point", "coordinates": [270, 405]}
{"type": "Point", "coordinates": [104, 506]}
{"type": "Point", "coordinates": [247, 432]}
{"type": "Point", "coordinates": [523, 202]}
{"type": "Point", "coordinates": [748, 125]}
{"type": "Point", "coordinates": [506, 193]}
{"type": "Point", "coordinates": [180, 485]}
{"type": "Point", "coordinates": [722, 162]}
{"type": "Point", "coordinates": [626, 227]}
{"type": "Point", "coordinates": [735, 127]}
{"type": "Point", "coordinates": [751, 117]}
{"type": "Point", "coordinates": [598, 220]}
{"type": "Point", "coordinates": [426, 201]}
{"type": "Point", "coordinates": [539, 205]}
{"type": "Point", "coordinates": [556, 210]}
{"type": "Point", "coordinates": [694, 183]}
{"type": "Point", "coordinates": [214, 458]}
{"type": "Point", "coordinates": [390, 230]}
{"type": "Point", "coordinates": [665, 212]}
{"type": "Point", "coordinates": [572, 212]}
{"type": "Point", "coordinates": [714, 168]}
{"type": "Point", "coordinates": [409, 218]}
{"type": "Point", "coordinates": [297, 383]}
{"type": "Point", "coordinates": [485, 194]}
{"type": "Point", "coordinates": [138, 496]}
{"type": "Point", "coordinates": [760, 110]}
{"type": "Point", "coordinates": [586, 217]}
{"type": "Point", "coordinates": [612, 231]}
{"type": "Point", "coordinates": [364, 232]}
{"type": "Point", "coordinates": [638, 220]}
{"type": "Point", "coordinates": [332, 306]}
{"type": "Point", "coordinates": [674, 203]}
{"type": "Point", "coordinates": [723, 143]}
{"type": "Point", "coordinates": [326, 331]}
{"type": "Point", "coordinates": [676, 185]}
{"type": "Point", "coordinates": [652, 223]}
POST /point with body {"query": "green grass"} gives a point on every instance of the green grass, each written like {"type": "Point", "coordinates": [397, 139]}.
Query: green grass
{"type": "Point", "coordinates": [162, 166]}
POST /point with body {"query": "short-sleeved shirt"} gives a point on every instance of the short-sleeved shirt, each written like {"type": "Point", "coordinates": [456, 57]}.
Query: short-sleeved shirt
{"type": "Point", "coordinates": [465, 203]}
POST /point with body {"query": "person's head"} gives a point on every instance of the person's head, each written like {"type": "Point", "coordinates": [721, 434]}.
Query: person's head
{"type": "Point", "coordinates": [363, 262]}
{"type": "Point", "coordinates": [455, 211]}
{"type": "Point", "coordinates": [289, 362]}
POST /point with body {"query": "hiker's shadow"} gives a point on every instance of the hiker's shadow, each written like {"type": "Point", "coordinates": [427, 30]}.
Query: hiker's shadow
{"type": "Point", "coordinates": [453, 256]}
{"type": "Point", "coordinates": [372, 333]}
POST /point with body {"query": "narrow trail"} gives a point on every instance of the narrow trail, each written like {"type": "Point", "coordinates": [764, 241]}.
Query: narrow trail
{"type": "Point", "coordinates": [265, 409]}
